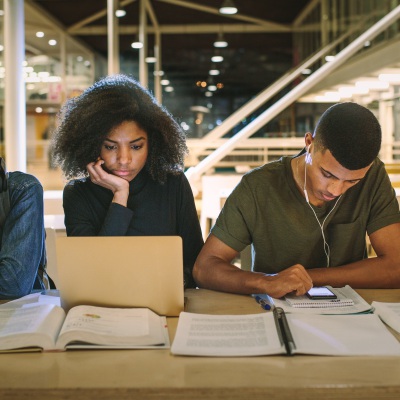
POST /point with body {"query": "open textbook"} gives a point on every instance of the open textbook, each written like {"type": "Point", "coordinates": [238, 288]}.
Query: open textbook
{"type": "Point", "coordinates": [348, 302]}
{"type": "Point", "coordinates": [389, 313]}
{"type": "Point", "coordinates": [48, 328]}
{"type": "Point", "coordinates": [261, 334]}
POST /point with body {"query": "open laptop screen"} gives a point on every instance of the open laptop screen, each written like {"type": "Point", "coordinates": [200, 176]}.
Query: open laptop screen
{"type": "Point", "coordinates": [115, 271]}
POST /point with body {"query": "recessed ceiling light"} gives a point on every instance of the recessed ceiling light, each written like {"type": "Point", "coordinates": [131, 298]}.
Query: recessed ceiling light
{"type": "Point", "coordinates": [220, 42]}
{"type": "Point", "coordinates": [120, 13]}
{"type": "Point", "coordinates": [373, 84]}
{"type": "Point", "coordinates": [228, 7]}
{"type": "Point", "coordinates": [137, 44]}
{"type": "Point", "coordinates": [389, 77]}
{"type": "Point", "coordinates": [217, 59]}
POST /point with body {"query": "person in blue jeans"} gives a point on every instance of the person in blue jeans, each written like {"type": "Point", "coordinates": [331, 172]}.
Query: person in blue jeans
{"type": "Point", "coordinates": [22, 238]}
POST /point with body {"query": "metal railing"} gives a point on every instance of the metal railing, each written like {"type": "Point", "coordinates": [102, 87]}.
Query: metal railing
{"type": "Point", "coordinates": [195, 172]}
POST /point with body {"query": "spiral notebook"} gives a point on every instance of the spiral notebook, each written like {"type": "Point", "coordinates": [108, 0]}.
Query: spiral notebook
{"type": "Point", "coordinates": [348, 302]}
{"type": "Point", "coordinates": [305, 302]}
{"type": "Point", "coordinates": [342, 300]}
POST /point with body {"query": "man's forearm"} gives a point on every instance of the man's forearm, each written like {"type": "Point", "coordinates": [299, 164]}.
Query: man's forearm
{"type": "Point", "coordinates": [370, 273]}
{"type": "Point", "coordinates": [222, 276]}
{"type": "Point", "coordinates": [225, 277]}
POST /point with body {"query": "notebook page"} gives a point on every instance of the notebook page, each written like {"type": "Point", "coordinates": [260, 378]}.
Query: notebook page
{"type": "Point", "coordinates": [346, 292]}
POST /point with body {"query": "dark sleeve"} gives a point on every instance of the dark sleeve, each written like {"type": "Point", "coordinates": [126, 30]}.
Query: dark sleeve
{"type": "Point", "coordinates": [189, 230]}
{"type": "Point", "coordinates": [91, 213]}
{"type": "Point", "coordinates": [22, 244]}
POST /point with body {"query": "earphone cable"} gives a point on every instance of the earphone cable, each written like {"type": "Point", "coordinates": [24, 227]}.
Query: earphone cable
{"type": "Point", "coordinates": [327, 249]}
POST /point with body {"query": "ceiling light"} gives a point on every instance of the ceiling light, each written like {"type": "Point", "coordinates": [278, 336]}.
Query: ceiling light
{"type": "Point", "coordinates": [212, 88]}
{"type": "Point", "coordinates": [350, 90]}
{"type": "Point", "coordinates": [39, 34]}
{"type": "Point", "coordinates": [228, 7]}
{"type": "Point", "coordinates": [217, 59]}
{"type": "Point", "coordinates": [150, 60]}
{"type": "Point", "coordinates": [220, 42]}
{"type": "Point", "coordinates": [345, 93]}
{"type": "Point", "coordinates": [120, 13]}
{"type": "Point", "coordinates": [389, 77]}
{"type": "Point", "coordinates": [324, 99]}
{"type": "Point", "coordinates": [52, 42]}
{"type": "Point", "coordinates": [334, 96]}
{"type": "Point", "coordinates": [169, 89]}
{"type": "Point", "coordinates": [329, 58]}
{"type": "Point", "coordinates": [214, 72]}
{"type": "Point", "coordinates": [137, 44]}
{"type": "Point", "coordinates": [373, 84]}
{"type": "Point", "coordinates": [164, 82]}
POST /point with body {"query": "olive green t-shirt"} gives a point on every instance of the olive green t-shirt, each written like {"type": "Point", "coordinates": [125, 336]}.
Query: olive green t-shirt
{"type": "Point", "coordinates": [267, 210]}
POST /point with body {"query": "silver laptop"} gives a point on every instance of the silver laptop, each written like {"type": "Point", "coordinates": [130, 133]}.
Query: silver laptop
{"type": "Point", "coordinates": [114, 271]}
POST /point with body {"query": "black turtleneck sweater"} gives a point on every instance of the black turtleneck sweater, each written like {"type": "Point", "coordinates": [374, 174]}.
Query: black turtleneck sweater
{"type": "Point", "coordinates": [153, 209]}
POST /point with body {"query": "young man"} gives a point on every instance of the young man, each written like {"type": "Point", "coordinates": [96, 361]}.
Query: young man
{"type": "Point", "coordinates": [307, 216]}
{"type": "Point", "coordinates": [22, 236]}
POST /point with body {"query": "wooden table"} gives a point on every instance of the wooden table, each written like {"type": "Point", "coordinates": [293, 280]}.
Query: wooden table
{"type": "Point", "coordinates": [156, 374]}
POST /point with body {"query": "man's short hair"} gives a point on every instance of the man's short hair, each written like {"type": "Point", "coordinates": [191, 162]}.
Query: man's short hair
{"type": "Point", "coordinates": [351, 133]}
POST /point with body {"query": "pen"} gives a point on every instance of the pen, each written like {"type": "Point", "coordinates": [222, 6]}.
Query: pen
{"type": "Point", "coordinates": [266, 304]}
{"type": "Point", "coordinates": [285, 333]}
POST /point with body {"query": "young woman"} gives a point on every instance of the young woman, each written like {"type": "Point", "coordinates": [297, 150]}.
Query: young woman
{"type": "Point", "coordinates": [125, 153]}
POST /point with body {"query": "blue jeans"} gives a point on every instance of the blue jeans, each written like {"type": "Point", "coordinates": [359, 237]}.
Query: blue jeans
{"type": "Point", "coordinates": [22, 248]}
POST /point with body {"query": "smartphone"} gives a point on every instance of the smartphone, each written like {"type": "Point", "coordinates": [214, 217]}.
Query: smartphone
{"type": "Point", "coordinates": [321, 293]}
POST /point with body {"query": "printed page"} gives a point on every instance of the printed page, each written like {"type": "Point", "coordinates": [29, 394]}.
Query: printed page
{"type": "Point", "coordinates": [21, 301]}
{"type": "Point", "coordinates": [342, 335]}
{"type": "Point", "coordinates": [346, 292]}
{"type": "Point", "coordinates": [45, 297]}
{"type": "Point", "coordinates": [112, 327]}
{"type": "Point", "coordinates": [389, 313]}
{"type": "Point", "coordinates": [33, 325]}
{"type": "Point", "coordinates": [226, 335]}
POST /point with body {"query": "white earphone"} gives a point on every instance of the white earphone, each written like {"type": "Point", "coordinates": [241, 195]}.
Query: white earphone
{"type": "Point", "coordinates": [326, 245]}
{"type": "Point", "coordinates": [305, 174]}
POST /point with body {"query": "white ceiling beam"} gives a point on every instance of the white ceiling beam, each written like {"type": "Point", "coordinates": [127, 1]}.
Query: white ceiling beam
{"type": "Point", "coordinates": [177, 29]}
{"type": "Point", "coordinates": [305, 12]}
{"type": "Point", "coordinates": [241, 17]}
{"type": "Point", "coordinates": [42, 15]}
{"type": "Point", "coordinates": [100, 14]}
